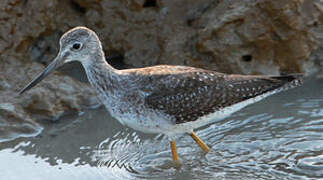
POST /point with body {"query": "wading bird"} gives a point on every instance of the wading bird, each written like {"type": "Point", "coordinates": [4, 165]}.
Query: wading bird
{"type": "Point", "coordinates": [163, 99]}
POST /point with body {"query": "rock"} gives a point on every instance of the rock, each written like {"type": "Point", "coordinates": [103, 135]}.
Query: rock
{"type": "Point", "coordinates": [58, 94]}
{"type": "Point", "coordinates": [14, 123]}
{"type": "Point", "coordinates": [249, 37]}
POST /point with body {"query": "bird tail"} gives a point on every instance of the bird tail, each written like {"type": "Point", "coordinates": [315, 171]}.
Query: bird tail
{"type": "Point", "coordinates": [289, 81]}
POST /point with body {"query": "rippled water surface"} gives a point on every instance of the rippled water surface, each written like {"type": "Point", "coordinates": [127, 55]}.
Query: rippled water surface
{"type": "Point", "coordinates": [280, 137]}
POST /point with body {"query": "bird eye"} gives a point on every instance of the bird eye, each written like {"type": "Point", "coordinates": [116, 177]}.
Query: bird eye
{"type": "Point", "coordinates": [77, 46]}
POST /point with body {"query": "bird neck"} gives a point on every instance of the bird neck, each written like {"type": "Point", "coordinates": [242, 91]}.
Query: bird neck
{"type": "Point", "coordinates": [102, 76]}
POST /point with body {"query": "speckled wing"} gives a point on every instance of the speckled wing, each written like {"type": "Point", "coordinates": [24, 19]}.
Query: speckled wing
{"type": "Point", "coordinates": [190, 95]}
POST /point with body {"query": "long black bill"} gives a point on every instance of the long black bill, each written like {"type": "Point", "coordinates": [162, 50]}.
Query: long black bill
{"type": "Point", "coordinates": [50, 68]}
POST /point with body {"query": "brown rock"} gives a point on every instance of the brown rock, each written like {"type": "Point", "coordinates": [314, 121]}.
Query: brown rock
{"type": "Point", "coordinates": [253, 36]}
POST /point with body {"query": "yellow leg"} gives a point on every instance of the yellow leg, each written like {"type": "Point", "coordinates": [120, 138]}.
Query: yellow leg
{"type": "Point", "coordinates": [199, 141]}
{"type": "Point", "coordinates": [174, 151]}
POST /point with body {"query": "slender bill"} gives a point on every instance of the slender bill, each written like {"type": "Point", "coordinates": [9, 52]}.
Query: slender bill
{"type": "Point", "coordinates": [50, 68]}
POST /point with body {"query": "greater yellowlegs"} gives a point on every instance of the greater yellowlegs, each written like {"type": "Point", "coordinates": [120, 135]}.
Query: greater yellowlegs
{"type": "Point", "coordinates": [163, 99]}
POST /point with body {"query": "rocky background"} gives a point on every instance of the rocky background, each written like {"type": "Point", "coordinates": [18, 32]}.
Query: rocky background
{"type": "Point", "coordinates": [248, 37]}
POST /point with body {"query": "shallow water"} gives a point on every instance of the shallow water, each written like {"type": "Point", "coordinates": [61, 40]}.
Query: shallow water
{"type": "Point", "coordinates": [280, 137]}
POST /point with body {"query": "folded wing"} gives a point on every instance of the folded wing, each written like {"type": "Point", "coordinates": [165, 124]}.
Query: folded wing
{"type": "Point", "coordinates": [194, 93]}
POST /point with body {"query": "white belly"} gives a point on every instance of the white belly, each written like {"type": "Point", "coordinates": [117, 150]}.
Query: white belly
{"type": "Point", "coordinates": [141, 119]}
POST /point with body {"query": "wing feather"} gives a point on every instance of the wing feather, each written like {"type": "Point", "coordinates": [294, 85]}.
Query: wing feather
{"type": "Point", "coordinates": [187, 93]}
